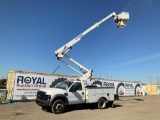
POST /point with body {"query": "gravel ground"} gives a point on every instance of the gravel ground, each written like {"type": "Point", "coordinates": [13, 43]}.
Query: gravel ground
{"type": "Point", "coordinates": [127, 108]}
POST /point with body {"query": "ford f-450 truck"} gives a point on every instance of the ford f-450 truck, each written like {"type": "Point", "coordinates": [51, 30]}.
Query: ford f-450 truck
{"type": "Point", "coordinates": [73, 92]}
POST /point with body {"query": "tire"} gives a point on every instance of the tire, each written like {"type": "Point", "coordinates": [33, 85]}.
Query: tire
{"type": "Point", "coordinates": [110, 104]}
{"type": "Point", "coordinates": [102, 103]}
{"type": "Point", "coordinates": [58, 107]}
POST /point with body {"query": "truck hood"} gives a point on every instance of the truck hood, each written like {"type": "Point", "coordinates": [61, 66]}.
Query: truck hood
{"type": "Point", "coordinates": [51, 91]}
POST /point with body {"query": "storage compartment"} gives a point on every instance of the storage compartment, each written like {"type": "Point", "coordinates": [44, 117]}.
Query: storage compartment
{"type": "Point", "coordinates": [93, 94]}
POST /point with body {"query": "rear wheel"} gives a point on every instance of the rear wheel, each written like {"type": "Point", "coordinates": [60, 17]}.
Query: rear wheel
{"type": "Point", "coordinates": [110, 104]}
{"type": "Point", "coordinates": [102, 103]}
{"type": "Point", "coordinates": [58, 107]}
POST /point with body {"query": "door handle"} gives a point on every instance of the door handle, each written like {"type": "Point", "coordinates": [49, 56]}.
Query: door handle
{"type": "Point", "coordinates": [82, 93]}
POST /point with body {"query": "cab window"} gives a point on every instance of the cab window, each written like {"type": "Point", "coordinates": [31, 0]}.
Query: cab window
{"type": "Point", "coordinates": [77, 85]}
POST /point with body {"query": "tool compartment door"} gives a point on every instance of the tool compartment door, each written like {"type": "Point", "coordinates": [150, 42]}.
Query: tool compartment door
{"type": "Point", "coordinates": [93, 94]}
{"type": "Point", "coordinates": [90, 95]}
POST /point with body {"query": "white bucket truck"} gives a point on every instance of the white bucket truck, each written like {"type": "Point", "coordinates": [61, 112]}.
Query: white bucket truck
{"type": "Point", "coordinates": [76, 92]}
{"type": "Point", "coordinates": [73, 92]}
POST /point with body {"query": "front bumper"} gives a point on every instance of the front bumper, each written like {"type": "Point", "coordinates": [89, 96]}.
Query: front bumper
{"type": "Point", "coordinates": [42, 99]}
{"type": "Point", "coordinates": [43, 103]}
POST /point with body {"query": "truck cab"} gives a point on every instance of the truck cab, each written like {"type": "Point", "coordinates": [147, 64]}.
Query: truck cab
{"type": "Point", "coordinates": [74, 91]}
{"type": "Point", "coordinates": [70, 92]}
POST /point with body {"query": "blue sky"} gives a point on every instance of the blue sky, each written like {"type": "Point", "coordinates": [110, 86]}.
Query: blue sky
{"type": "Point", "coordinates": [31, 30]}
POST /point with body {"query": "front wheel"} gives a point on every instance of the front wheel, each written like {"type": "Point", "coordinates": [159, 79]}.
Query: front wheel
{"type": "Point", "coordinates": [102, 103]}
{"type": "Point", "coordinates": [58, 107]}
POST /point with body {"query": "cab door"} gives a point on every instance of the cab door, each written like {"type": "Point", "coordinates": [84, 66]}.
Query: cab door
{"type": "Point", "coordinates": [76, 93]}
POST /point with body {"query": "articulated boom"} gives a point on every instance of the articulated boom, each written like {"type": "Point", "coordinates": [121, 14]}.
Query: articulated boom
{"type": "Point", "coordinates": [120, 19]}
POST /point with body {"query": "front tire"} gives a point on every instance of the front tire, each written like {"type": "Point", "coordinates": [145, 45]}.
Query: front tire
{"type": "Point", "coordinates": [102, 103]}
{"type": "Point", "coordinates": [58, 107]}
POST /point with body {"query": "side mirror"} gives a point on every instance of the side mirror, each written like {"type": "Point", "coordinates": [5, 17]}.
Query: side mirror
{"type": "Point", "coordinates": [72, 89]}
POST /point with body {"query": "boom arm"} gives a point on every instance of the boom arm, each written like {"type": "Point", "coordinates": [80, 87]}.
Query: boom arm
{"type": "Point", "coordinates": [64, 49]}
{"type": "Point", "coordinates": [120, 19]}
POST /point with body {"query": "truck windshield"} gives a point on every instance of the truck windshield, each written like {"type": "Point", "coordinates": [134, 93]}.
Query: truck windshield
{"type": "Point", "coordinates": [64, 85]}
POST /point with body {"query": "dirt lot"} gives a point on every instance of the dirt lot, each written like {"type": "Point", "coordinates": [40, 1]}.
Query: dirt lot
{"type": "Point", "coordinates": [128, 108]}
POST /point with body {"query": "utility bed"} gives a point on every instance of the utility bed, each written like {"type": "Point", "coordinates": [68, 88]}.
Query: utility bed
{"type": "Point", "coordinates": [93, 94]}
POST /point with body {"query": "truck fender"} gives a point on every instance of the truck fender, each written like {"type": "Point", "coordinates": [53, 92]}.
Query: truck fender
{"type": "Point", "coordinates": [59, 96]}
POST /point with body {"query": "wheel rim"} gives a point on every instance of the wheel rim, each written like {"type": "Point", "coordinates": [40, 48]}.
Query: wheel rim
{"type": "Point", "coordinates": [59, 107]}
{"type": "Point", "coordinates": [102, 104]}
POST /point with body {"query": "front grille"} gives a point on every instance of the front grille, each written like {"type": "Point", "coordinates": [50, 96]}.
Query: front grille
{"type": "Point", "coordinates": [41, 95]}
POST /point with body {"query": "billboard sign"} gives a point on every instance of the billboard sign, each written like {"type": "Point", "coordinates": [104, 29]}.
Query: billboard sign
{"type": "Point", "coordinates": [121, 88]}
{"type": "Point", "coordinates": [27, 85]}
